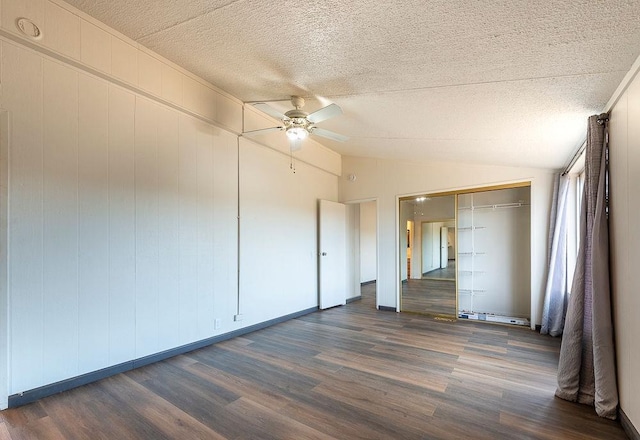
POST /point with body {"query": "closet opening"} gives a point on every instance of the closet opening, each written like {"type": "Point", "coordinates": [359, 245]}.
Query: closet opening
{"type": "Point", "coordinates": [470, 254]}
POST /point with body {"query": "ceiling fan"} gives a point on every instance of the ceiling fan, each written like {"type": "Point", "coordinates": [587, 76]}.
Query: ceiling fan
{"type": "Point", "coordinates": [298, 124]}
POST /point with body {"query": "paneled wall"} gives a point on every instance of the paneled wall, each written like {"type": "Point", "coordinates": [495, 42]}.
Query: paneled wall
{"type": "Point", "coordinates": [123, 180]}
{"type": "Point", "coordinates": [624, 171]}
{"type": "Point", "coordinates": [78, 37]}
{"type": "Point", "coordinates": [122, 223]}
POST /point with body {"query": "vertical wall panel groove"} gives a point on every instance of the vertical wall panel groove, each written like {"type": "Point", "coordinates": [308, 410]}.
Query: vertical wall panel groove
{"type": "Point", "coordinates": [60, 168]}
{"type": "Point", "coordinates": [22, 96]}
{"type": "Point", "coordinates": [93, 220]}
{"type": "Point", "coordinates": [122, 278]}
{"type": "Point", "coordinates": [146, 193]}
{"type": "Point", "coordinates": [168, 167]}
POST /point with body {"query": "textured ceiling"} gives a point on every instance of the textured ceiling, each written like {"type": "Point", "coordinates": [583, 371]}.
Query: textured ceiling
{"type": "Point", "coordinates": [503, 82]}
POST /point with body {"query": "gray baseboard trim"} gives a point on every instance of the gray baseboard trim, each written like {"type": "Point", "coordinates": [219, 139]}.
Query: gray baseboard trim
{"type": "Point", "coordinates": [368, 282]}
{"type": "Point", "coordinates": [29, 396]}
{"type": "Point", "coordinates": [628, 427]}
{"type": "Point", "coordinates": [386, 308]}
{"type": "Point", "coordinates": [355, 298]}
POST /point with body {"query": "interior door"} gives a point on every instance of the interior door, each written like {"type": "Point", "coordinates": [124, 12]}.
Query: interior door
{"type": "Point", "coordinates": [444, 247]}
{"type": "Point", "coordinates": [332, 259]}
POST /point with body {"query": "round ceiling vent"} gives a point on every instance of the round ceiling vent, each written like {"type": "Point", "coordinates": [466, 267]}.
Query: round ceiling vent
{"type": "Point", "coordinates": [29, 28]}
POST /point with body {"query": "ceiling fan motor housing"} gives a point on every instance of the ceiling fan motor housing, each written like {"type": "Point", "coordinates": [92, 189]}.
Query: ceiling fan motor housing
{"type": "Point", "coordinates": [297, 118]}
{"type": "Point", "coordinates": [296, 114]}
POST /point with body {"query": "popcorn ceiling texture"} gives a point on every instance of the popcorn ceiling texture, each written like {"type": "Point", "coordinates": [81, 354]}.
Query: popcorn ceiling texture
{"type": "Point", "coordinates": [503, 82]}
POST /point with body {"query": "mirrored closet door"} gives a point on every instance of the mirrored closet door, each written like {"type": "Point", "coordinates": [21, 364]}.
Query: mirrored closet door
{"type": "Point", "coordinates": [467, 255]}
{"type": "Point", "coordinates": [428, 255]}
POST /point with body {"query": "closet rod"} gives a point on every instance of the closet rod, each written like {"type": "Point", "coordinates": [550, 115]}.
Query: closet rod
{"type": "Point", "coordinates": [496, 206]}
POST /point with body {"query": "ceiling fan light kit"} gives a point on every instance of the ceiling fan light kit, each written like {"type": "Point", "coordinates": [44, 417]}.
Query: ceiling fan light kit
{"type": "Point", "coordinates": [298, 124]}
{"type": "Point", "coordinates": [296, 132]}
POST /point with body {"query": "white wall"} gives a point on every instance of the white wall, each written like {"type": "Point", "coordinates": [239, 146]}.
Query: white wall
{"type": "Point", "coordinates": [352, 234]}
{"type": "Point", "coordinates": [122, 236]}
{"type": "Point", "coordinates": [368, 248]}
{"type": "Point", "coordinates": [125, 181]}
{"type": "Point", "coordinates": [436, 237]}
{"type": "Point", "coordinates": [624, 165]}
{"type": "Point", "coordinates": [387, 180]}
{"type": "Point", "coordinates": [278, 232]}
{"type": "Point", "coordinates": [429, 248]}
{"type": "Point", "coordinates": [426, 248]}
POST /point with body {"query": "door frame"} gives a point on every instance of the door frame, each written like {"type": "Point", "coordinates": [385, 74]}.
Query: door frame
{"type": "Point", "coordinates": [4, 259]}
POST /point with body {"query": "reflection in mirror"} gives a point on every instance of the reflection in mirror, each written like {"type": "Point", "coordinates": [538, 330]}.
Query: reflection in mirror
{"type": "Point", "coordinates": [428, 255]}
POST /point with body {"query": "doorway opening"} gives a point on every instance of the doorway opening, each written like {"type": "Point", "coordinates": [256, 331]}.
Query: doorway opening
{"type": "Point", "coordinates": [362, 243]}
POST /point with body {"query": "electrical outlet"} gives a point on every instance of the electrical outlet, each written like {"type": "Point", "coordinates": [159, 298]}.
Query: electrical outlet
{"type": "Point", "coordinates": [216, 324]}
{"type": "Point", "coordinates": [237, 318]}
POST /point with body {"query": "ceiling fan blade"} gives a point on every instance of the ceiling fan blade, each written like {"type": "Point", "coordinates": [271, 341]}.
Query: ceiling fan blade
{"type": "Point", "coordinates": [262, 131]}
{"type": "Point", "coordinates": [325, 113]}
{"type": "Point", "coordinates": [330, 135]}
{"type": "Point", "coordinates": [266, 108]}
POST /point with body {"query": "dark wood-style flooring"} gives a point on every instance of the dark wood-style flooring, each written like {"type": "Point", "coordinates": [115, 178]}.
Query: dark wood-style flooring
{"type": "Point", "coordinates": [429, 296]}
{"type": "Point", "coordinates": [448, 273]}
{"type": "Point", "coordinates": [345, 373]}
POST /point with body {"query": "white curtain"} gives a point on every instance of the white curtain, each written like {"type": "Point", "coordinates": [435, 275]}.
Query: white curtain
{"type": "Point", "coordinates": [556, 292]}
{"type": "Point", "coordinates": [586, 370]}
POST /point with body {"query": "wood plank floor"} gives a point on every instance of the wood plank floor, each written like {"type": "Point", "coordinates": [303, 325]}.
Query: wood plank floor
{"type": "Point", "coordinates": [430, 296]}
{"type": "Point", "coordinates": [346, 373]}
{"type": "Point", "coordinates": [448, 273]}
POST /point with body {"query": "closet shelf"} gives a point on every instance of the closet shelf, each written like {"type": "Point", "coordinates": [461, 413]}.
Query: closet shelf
{"type": "Point", "coordinates": [471, 292]}
{"type": "Point", "coordinates": [470, 272]}
{"type": "Point", "coordinates": [496, 206]}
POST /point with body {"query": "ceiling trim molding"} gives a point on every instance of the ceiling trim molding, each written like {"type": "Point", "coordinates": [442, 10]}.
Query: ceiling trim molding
{"type": "Point", "coordinates": [617, 94]}
{"type": "Point", "coordinates": [53, 55]}
{"type": "Point", "coordinates": [622, 87]}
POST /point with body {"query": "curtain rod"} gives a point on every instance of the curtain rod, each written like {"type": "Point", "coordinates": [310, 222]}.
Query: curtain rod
{"type": "Point", "coordinates": [603, 118]}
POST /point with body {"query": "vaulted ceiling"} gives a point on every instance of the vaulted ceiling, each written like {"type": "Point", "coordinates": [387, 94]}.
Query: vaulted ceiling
{"type": "Point", "coordinates": [498, 81]}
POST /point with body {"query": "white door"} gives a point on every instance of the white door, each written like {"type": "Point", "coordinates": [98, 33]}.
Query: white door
{"type": "Point", "coordinates": [444, 247]}
{"type": "Point", "coordinates": [332, 282]}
